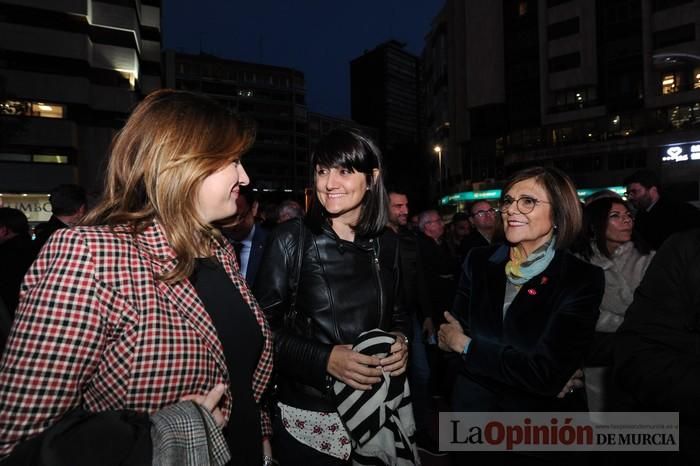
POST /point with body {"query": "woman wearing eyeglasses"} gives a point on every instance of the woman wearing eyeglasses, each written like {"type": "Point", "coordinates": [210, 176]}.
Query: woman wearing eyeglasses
{"type": "Point", "coordinates": [525, 311]}
{"type": "Point", "coordinates": [608, 241]}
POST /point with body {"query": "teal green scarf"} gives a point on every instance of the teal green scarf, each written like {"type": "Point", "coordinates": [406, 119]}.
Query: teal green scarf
{"type": "Point", "coordinates": [520, 269]}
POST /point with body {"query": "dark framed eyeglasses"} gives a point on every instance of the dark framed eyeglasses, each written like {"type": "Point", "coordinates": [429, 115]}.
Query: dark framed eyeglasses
{"type": "Point", "coordinates": [524, 204]}
{"type": "Point", "coordinates": [484, 213]}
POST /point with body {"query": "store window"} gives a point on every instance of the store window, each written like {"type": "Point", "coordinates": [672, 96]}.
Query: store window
{"type": "Point", "coordinates": [34, 109]}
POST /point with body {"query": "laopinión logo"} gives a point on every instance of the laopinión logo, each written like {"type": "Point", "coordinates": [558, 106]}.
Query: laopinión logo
{"type": "Point", "coordinates": [555, 431]}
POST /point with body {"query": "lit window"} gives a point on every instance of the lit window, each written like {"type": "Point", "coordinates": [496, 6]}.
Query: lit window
{"type": "Point", "coordinates": [35, 109]}
{"type": "Point", "coordinates": [669, 84]}
{"type": "Point", "coordinates": [46, 158]}
{"type": "Point", "coordinates": [45, 110]}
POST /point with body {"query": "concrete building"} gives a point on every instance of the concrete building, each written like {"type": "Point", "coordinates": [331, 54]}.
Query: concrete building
{"type": "Point", "coordinates": [273, 96]}
{"type": "Point", "coordinates": [70, 73]}
{"type": "Point", "coordinates": [597, 88]}
{"type": "Point", "coordinates": [386, 93]}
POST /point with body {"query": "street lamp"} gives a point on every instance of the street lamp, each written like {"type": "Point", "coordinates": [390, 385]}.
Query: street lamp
{"type": "Point", "coordinates": [438, 151]}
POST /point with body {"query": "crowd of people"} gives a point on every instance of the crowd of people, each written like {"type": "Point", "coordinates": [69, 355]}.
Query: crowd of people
{"type": "Point", "coordinates": [179, 321]}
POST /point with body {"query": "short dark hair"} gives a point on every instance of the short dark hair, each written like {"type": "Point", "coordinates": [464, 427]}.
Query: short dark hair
{"type": "Point", "coordinates": [67, 199]}
{"type": "Point", "coordinates": [566, 208]}
{"type": "Point", "coordinates": [352, 150]}
{"type": "Point", "coordinates": [460, 217]}
{"type": "Point", "coordinates": [14, 220]}
{"type": "Point", "coordinates": [646, 178]}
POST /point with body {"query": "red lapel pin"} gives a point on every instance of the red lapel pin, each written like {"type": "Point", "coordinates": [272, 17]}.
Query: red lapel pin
{"type": "Point", "coordinates": [532, 291]}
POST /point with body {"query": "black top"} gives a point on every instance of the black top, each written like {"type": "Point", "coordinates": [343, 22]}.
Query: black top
{"type": "Point", "coordinates": [242, 342]}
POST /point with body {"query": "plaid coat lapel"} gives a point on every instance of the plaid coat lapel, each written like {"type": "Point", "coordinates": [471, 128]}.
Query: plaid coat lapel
{"type": "Point", "coordinates": [185, 299]}
{"type": "Point", "coordinates": [182, 295]}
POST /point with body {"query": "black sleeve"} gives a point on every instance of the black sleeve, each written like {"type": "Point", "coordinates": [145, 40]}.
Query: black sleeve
{"type": "Point", "coordinates": [657, 361]}
{"type": "Point", "coordinates": [560, 349]}
{"type": "Point", "coordinates": [302, 359]}
{"type": "Point", "coordinates": [81, 438]}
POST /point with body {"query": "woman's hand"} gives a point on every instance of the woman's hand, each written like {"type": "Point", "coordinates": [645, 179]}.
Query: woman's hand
{"type": "Point", "coordinates": [451, 336]}
{"type": "Point", "coordinates": [395, 363]}
{"type": "Point", "coordinates": [355, 369]}
{"type": "Point", "coordinates": [210, 401]}
{"type": "Point", "coordinates": [576, 381]}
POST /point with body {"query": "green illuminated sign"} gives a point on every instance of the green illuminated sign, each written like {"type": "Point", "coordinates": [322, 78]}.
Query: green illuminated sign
{"type": "Point", "coordinates": [493, 194]}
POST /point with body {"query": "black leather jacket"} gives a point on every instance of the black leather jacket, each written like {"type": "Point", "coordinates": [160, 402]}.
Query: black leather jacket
{"type": "Point", "coordinates": [345, 288]}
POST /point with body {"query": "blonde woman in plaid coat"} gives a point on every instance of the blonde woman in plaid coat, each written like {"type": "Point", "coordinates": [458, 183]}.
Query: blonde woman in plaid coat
{"type": "Point", "coordinates": [109, 318]}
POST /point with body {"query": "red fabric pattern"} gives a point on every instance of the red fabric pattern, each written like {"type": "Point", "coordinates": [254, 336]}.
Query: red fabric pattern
{"type": "Point", "coordinates": [95, 328]}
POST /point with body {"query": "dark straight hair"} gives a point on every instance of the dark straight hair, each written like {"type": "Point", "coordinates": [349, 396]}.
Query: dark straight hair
{"type": "Point", "coordinates": [350, 149]}
{"type": "Point", "coordinates": [595, 224]}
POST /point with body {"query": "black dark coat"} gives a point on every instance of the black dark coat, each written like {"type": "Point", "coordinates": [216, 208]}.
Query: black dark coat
{"type": "Point", "coordinates": [522, 362]}
{"type": "Point", "coordinates": [657, 352]}
{"type": "Point", "coordinates": [344, 289]}
{"type": "Point", "coordinates": [664, 219]}
{"type": "Point", "coordinates": [16, 256]}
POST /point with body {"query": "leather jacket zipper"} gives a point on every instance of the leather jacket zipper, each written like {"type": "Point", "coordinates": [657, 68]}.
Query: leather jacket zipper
{"type": "Point", "coordinates": [380, 288]}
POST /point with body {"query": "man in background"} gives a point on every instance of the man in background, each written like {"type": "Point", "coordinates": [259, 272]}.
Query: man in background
{"type": "Point", "coordinates": [419, 308]}
{"type": "Point", "coordinates": [68, 207]}
{"type": "Point", "coordinates": [247, 237]}
{"type": "Point", "coordinates": [657, 217]}
{"type": "Point", "coordinates": [289, 209]}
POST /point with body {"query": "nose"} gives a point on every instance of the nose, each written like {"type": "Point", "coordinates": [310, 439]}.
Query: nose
{"type": "Point", "coordinates": [332, 180]}
{"type": "Point", "coordinates": [243, 178]}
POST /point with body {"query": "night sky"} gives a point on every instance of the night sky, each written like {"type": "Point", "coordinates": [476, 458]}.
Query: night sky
{"type": "Point", "coordinates": [317, 37]}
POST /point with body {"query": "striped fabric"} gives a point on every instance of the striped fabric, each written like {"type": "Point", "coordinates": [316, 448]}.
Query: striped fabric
{"type": "Point", "coordinates": [380, 420]}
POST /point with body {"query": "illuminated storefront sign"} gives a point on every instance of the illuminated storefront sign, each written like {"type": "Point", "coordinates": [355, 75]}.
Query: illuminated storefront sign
{"type": "Point", "coordinates": [495, 194]}
{"type": "Point", "coordinates": [680, 153]}
{"type": "Point", "coordinates": [35, 206]}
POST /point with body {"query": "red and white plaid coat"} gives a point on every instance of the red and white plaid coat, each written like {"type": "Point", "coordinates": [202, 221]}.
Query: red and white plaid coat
{"type": "Point", "coordinates": [95, 328]}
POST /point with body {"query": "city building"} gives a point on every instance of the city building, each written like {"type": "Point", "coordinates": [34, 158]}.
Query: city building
{"type": "Point", "coordinates": [386, 93]}
{"type": "Point", "coordinates": [70, 73]}
{"type": "Point", "coordinates": [274, 97]}
{"type": "Point", "coordinates": [596, 88]}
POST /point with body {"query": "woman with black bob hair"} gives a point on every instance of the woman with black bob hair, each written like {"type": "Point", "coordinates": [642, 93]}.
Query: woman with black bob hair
{"type": "Point", "coordinates": [327, 279]}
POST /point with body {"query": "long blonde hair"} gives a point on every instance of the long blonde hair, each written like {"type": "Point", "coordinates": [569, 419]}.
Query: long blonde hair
{"type": "Point", "coordinates": [171, 142]}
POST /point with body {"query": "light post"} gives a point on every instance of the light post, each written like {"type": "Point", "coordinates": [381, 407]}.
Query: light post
{"type": "Point", "coordinates": [438, 151]}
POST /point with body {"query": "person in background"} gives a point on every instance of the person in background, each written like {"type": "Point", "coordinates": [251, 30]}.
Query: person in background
{"type": "Point", "coordinates": [525, 312]}
{"type": "Point", "coordinates": [484, 222]}
{"type": "Point", "coordinates": [143, 306]}
{"type": "Point", "coordinates": [328, 278]}
{"type": "Point", "coordinates": [68, 207]}
{"type": "Point", "coordinates": [16, 255]}
{"type": "Point", "coordinates": [418, 306]}
{"type": "Point", "coordinates": [608, 241]}
{"type": "Point", "coordinates": [459, 229]}
{"type": "Point", "coordinates": [656, 216]}
{"type": "Point", "coordinates": [441, 267]}
{"type": "Point", "coordinates": [289, 209]}
{"type": "Point", "coordinates": [246, 235]}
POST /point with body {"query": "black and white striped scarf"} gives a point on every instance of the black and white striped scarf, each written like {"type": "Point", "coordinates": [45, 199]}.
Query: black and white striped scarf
{"type": "Point", "coordinates": [380, 421]}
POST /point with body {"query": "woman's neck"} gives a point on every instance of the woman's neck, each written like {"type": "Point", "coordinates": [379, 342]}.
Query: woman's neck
{"type": "Point", "coordinates": [344, 230]}
{"type": "Point", "coordinates": [612, 246]}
